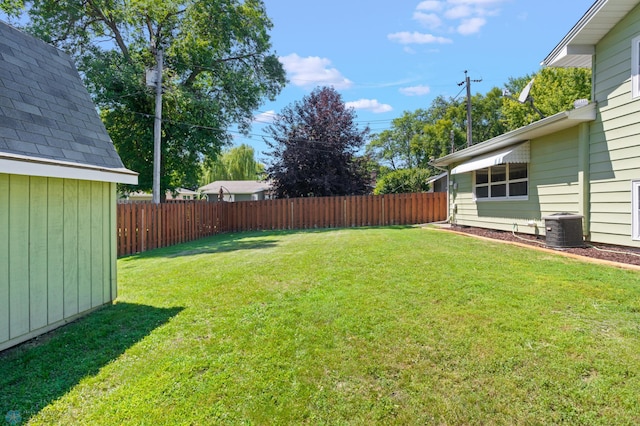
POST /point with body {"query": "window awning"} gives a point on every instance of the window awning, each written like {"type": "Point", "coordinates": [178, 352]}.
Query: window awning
{"type": "Point", "coordinates": [514, 154]}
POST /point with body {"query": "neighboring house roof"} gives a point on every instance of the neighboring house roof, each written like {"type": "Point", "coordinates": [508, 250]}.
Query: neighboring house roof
{"type": "Point", "coordinates": [438, 177]}
{"type": "Point", "coordinates": [147, 195]}
{"type": "Point", "coordinates": [49, 125]}
{"type": "Point", "coordinates": [236, 187]}
{"type": "Point", "coordinates": [184, 191]}
{"type": "Point", "coordinates": [546, 126]}
{"type": "Point", "coordinates": [578, 46]}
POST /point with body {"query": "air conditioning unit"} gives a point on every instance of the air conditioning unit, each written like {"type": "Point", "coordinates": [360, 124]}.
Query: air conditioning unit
{"type": "Point", "coordinates": [563, 230]}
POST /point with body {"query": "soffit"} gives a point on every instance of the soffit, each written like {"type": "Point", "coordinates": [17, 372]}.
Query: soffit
{"type": "Point", "coordinates": [577, 47]}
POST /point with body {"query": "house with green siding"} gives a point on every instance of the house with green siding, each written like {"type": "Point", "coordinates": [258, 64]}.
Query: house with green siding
{"type": "Point", "coordinates": [585, 161]}
{"type": "Point", "coordinates": [58, 175]}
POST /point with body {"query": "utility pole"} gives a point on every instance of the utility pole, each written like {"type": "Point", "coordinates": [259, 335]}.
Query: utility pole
{"type": "Point", "coordinates": [157, 131]}
{"type": "Point", "coordinates": [468, 81]}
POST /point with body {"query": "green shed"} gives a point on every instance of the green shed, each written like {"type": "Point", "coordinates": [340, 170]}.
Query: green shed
{"type": "Point", "coordinates": [58, 175]}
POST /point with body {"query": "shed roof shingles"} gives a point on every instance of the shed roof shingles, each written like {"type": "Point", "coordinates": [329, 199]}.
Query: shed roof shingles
{"type": "Point", "coordinates": [45, 110]}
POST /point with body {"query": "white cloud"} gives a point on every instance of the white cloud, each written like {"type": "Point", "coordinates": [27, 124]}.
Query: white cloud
{"type": "Point", "coordinates": [313, 71]}
{"type": "Point", "coordinates": [420, 90]}
{"type": "Point", "coordinates": [471, 26]}
{"type": "Point", "coordinates": [429, 20]}
{"type": "Point", "coordinates": [266, 117]}
{"type": "Point", "coordinates": [465, 16]}
{"type": "Point", "coordinates": [415, 37]}
{"type": "Point", "coordinates": [458, 12]}
{"type": "Point", "coordinates": [370, 105]}
{"type": "Point", "coordinates": [478, 3]}
{"type": "Point", "coordinates": [430, 5]}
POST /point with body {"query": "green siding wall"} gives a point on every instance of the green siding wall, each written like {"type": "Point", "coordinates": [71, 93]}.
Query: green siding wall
{"type": "Point", "coordinates": [615, 136]}
{"type": "Point", "coordinates": [553, 188]}
{"type": "Point", "coordinates": [57, 252]}
{"type": "Point", "coordinates": [595, 180]}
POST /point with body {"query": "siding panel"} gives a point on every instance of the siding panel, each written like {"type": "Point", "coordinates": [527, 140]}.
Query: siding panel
{"type": "Point", "coordinates": [106, 243]}
{"type": "Point", "coordinates": [70, 241]}
{"type": "Point", "coordinates": [96, 244]}
{"type": "Point", "coordinates": [611, 217]}
{"type": "Point", "coordinates": [55, 250]}
{"type": "Point", "coordinates": [37, 252]}
{"type": "Point", "coordinates": [114, 240]}
{"type": "Point", "coordinates": [84, 245]}
{"type": "Point", "coordinates": [19, 256]}
{"type": "Point", "coordinates": [4, 257]}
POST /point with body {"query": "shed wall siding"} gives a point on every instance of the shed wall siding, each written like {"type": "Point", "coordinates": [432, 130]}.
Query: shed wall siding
{"type": "Point", "coordinates": [4, 258]}
{"type": "Point", "coordinates": [615, 136]}
{"type": "Point", "coordinates": [553, 188]}
{"type": "Point", "coordinates": [57, 252]}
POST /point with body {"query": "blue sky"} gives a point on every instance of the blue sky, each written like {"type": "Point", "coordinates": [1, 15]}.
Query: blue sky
{"type": "Point", "coordinates": [386, 57]}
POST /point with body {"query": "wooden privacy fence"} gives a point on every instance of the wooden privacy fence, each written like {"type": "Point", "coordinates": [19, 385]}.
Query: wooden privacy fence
{"type": "Point", "coordinates": [144, 226]}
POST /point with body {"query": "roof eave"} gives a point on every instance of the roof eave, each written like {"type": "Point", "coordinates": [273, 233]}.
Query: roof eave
{"type": "Point", "coordinates": [577, 48]}
{"type": "Point", "coordinates": [561, 50]}
{"type": "Point", "coordinates": [31, 166]}
{"type": "Point", "coordinates": [572, 56]}
{"type": "Point", "coordinates": [546, 126]}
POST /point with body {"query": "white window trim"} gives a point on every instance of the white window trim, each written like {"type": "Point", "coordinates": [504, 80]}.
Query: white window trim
{"type": "Point", "coordinates": [635, 210]}
{"type": "Point", "coordinates": [507, 182]}
{"type": "Point", "coordinates": [635, 67]}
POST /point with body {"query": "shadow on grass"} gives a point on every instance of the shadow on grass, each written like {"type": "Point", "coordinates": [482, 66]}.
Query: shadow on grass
{"type": "Point", "coordinates": [38, 372]}
{"type": "Point", "coordinates": [209, 247]}
{"type": "Point", "coordinates": [249, 240]}
{"type": "Point", "coordinates": [220, 243]}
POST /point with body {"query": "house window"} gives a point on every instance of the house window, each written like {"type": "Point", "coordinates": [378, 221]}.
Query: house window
{"type": "Point", "coordinates": [635, 206]}
{"type": "Point", "coordinates": [635, 67]}
{"type": "Point", "coordinates": [502, 182]}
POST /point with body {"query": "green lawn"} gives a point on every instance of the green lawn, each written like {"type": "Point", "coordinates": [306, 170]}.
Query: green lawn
{"type": "Point", "coordinates": [364, 326]}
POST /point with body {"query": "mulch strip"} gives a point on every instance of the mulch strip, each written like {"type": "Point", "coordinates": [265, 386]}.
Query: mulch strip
{"type": "Point", "coordinates": [620, 256]}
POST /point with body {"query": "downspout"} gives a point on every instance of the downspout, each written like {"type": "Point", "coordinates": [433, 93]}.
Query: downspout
{"type": "Point", "coordinates": [584, 163]}
{"type": "Point", "coordinates": [584, 178]}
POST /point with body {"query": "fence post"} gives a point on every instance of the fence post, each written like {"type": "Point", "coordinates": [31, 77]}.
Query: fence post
{"type": "Point", "coordinates": [344, 213]}
{"type": "Point", "coordinates": [143, 230]}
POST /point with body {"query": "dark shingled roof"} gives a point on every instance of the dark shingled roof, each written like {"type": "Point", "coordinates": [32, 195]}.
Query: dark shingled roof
{"type": "Point", "coordinates": [45, 109]}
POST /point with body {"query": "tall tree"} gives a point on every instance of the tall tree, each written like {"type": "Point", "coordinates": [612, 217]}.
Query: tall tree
{"type": "Point", "coordinates": [403, 181]}
{"type": "Point", "coordinates": [416, 137]}
{"type": "Point", "coordinates": [554, 90]}
{"type": "Point", "coordinates": [313, 146]}
{"type": "Point", "coordinates": [218, 69]}
{"type": "Point", "coordinates": [11, 7]}
{"type": "Point", "coordinates": [237, 163]}
{"type": "Point", "coordinates": [487, 116]}
{"type": "Point", "coordinates": [399, 147]}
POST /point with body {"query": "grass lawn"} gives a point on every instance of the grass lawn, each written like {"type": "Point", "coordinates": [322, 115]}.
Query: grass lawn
{"type": "Point", "coordinates": [364, 326]}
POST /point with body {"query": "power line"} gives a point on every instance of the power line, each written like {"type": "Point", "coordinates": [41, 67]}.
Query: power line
{"type": "Point", "coordinates": [320, 144]}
